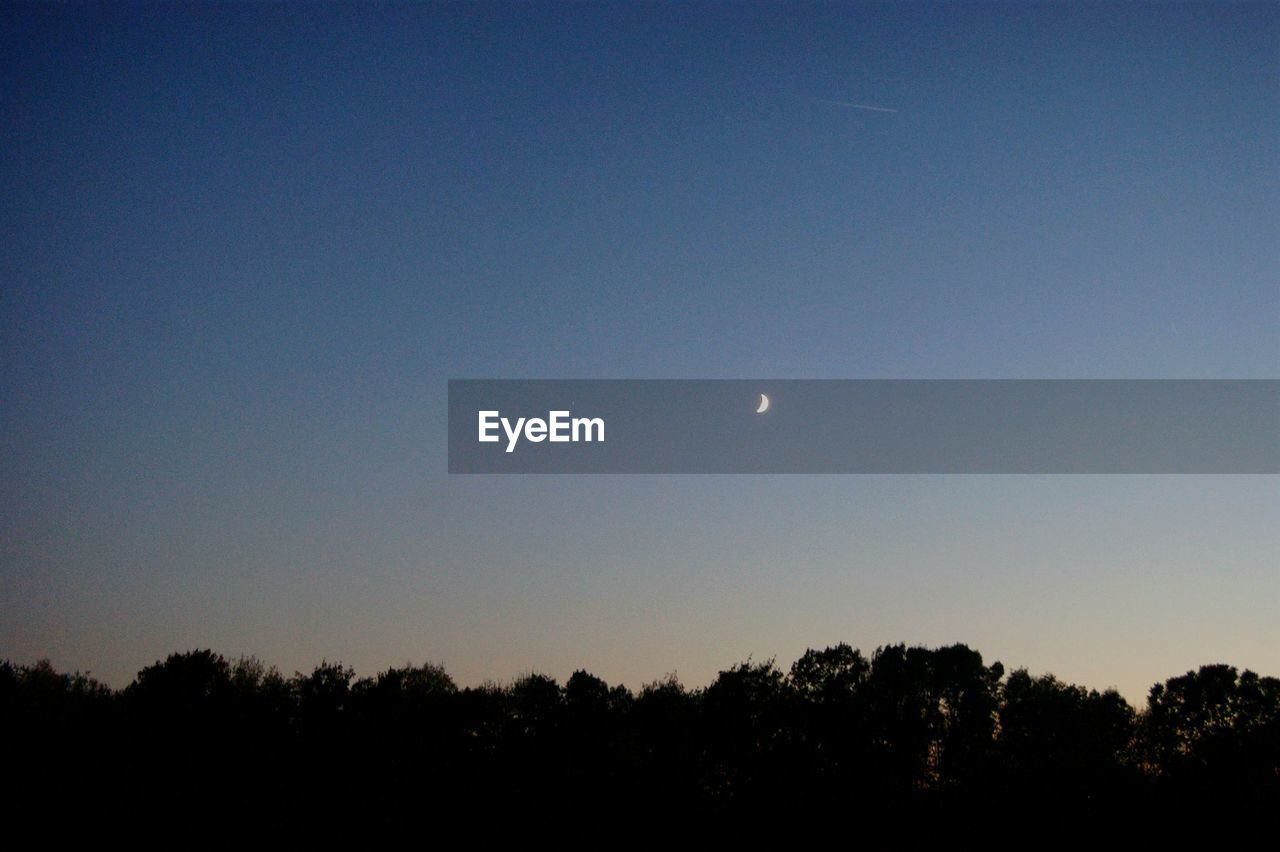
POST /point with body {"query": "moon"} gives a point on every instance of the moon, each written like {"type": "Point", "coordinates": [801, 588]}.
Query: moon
{"type": "Point", "coordinates": [764, 404]}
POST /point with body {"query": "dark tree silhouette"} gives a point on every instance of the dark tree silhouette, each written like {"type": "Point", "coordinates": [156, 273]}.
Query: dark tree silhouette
{"type": "Point", "coordinates": [1214, 735]}
{"type": "Point", "coordinates": [746, 735]}
{"type": "Point", "coordinates": [1063, 743]}
{"type": "Point", "coordinates": [60, 734]}
{"type": "Point", "coordinates": [833, 742]}
{"type": "Point", "coordinates": [198, 746]}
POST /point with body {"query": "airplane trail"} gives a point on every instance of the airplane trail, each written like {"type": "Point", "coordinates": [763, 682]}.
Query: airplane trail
{"type": "Point", "coordinates": [852, 105]}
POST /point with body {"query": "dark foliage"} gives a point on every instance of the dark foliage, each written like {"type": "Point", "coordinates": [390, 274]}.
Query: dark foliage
{"type": "Point", "coordinates": [201, 746]}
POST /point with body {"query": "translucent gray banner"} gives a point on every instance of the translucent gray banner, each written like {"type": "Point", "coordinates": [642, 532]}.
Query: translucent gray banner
{"type": "Point", "coordinates": [863, 426]}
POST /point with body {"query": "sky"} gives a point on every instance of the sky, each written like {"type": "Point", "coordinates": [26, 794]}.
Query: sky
{"type": "Point", "coordinates": [247, 245]}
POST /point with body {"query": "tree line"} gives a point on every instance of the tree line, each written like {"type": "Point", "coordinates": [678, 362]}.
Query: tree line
{"type": "Point", "coordinates": [905, 732]}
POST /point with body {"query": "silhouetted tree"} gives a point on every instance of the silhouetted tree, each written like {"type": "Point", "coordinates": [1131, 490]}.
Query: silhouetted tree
{"type": "Point", "coordinates": [831, 675]}
{"type": "Point", "coordinates": [1061, 743]}
{"type": "Point", "coordinates": [925, 719]}
{"type": "Point", "coordinates": [667, 752]}
{"type": "Point", "coordinates": [1214, 734]}
{"type": "Point", "coordinates": [61, 741]}
{"type": "Point", "coordinates": [910, 736]}
{"type": "Point", "coordinates": [832, 727]}
{"type": "Point", "coordinates": [747, 712]}
{"type": "Point", "coordinates": [965, 694]}
{"type": "Point", "coordinates": [405, 731]}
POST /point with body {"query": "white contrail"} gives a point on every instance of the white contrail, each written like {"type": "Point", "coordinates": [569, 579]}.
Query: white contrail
{"type": "Point", "coordinates": [852, 105]}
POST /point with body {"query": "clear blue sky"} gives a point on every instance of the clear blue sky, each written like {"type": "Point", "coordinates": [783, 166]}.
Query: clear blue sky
{"type": "Point", "coordinates": [245, 246]}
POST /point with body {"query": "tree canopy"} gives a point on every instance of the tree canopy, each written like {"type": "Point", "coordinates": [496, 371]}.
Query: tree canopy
{"type": "Point", "coordinates": [906, 730]}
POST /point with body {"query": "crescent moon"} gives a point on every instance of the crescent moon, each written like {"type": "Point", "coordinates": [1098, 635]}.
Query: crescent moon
{"type": "Point", "coordinates": [764, 404]}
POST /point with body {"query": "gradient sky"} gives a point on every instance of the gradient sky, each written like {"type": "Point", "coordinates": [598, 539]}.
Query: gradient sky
{"type": "Point", "coordinates": [245, 246]}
